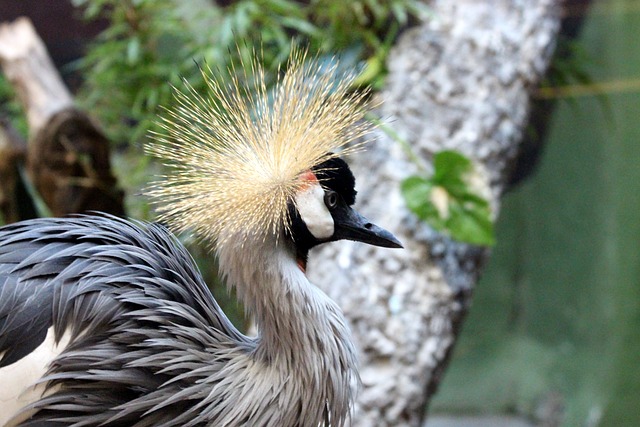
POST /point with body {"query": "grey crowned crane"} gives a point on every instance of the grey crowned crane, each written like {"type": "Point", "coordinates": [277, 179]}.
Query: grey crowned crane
{"type": "Point", "coordinates": [107, 322]}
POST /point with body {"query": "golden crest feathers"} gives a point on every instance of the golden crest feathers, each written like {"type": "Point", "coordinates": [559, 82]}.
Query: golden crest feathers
{"type": "Point", "coordinates": [236, 155]}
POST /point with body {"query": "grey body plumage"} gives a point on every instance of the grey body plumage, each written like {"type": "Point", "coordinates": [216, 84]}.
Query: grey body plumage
{"type": "Point", "coordinates": [149, 344]}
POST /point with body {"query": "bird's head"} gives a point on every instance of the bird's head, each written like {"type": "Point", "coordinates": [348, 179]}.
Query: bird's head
{"type": "Point", "coordinates": [261, 165]}
{"type": "Point", "coordinates": [321, 211]}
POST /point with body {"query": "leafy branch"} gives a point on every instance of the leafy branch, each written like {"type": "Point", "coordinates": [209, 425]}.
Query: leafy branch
{"type": "Point", "coordinates": [447, 201]}
{"type": "Point", "coordinates": [151, 43]}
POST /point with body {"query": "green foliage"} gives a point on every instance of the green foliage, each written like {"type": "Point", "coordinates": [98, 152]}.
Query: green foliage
{"type": "Point", "coordinates": [571, 73]}
{"type": "Point", "coordinates": [569, 64]}
{"type": "Point", "coordinates": [150, 44]}
{"type": "Point", "coordinates": [10, 107]}
{"type": "Point", "coordinates": [447, 202]}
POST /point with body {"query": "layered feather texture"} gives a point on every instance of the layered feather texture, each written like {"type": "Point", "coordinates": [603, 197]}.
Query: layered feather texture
{"type": "Point", "coordinates": [237, 152]}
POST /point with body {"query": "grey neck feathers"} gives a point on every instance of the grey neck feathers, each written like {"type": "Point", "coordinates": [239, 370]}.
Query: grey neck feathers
{"type": "Point", "coordinates": [303, 338]}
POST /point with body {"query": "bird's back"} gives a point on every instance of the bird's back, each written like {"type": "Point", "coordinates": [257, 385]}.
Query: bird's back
{"type": "Point", "coordinates": [129, 311]}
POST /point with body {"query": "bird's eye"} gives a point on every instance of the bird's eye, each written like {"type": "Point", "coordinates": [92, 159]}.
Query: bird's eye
{"type": "Point", "coordinates": [331, 199]}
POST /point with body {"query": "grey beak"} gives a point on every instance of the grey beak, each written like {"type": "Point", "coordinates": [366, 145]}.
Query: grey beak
{"type": "Point", "coordinates": [350, 225]}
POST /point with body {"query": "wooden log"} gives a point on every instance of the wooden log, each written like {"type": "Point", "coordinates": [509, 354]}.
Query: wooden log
{"type": "Point", "coordinates": [28, 67]}
{"type": "Point", "coordinates": [67, 155]}
{"type": "Point", "coordinates": [15, 203]}
{"type": "Point", "coordinates": [68, 160]}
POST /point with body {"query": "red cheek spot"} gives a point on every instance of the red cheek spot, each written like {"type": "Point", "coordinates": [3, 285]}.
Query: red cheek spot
{"type": "Point", "coordinates": [308, 179]}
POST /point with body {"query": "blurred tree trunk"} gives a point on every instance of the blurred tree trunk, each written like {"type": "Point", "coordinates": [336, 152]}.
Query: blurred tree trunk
{"type": "Point", "coordinates": [462, 81]}
{"type": "Point", "coordinates": [67, 154]}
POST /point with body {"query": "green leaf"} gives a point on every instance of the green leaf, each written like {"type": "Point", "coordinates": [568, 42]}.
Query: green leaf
{"type": "Point", "coordinates": [417, 194]}
{"type": "Point", "coordinates": [400, 13]}
{"type": "Point", "coordinates": [372, 69]}
{"type": "Point", "coordinates": [302, 26]}
{"type": "Point", "coordinates": [471, 224]}
{"type": "Point", "coordinates": [133, 51]}
{"type": "Point", "coordinates": [416, 190]}
{"type": "Point", "coordinates": [450, 168]}
{"type": "Point", "coordinates": [447, 203]}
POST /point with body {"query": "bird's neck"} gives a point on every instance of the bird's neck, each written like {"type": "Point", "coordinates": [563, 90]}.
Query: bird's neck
{"type": "Point", "coordinates": [302, 332]}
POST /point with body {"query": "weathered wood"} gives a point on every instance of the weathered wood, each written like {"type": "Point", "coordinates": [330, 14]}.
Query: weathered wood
{"type": "Point", "coordinates": [15, 203]}
{"type": "Point", "coordinates": [463, 81]}
{"type": "Point", "coordinates": [27, 66]}
{"type": "Point", "coordinates": [68, 154]}
{"type": "Point", "coordinates": [68, 161]}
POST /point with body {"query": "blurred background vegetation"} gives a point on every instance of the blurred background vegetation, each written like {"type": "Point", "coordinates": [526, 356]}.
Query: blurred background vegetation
{"type": "Point", "coordinates": [556, 319]}
{"type": "Point", "coordinates": [149, 43]}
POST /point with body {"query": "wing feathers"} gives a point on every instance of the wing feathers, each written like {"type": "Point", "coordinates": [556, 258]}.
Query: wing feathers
{"type": "Point", "coordinates": [128, 294]}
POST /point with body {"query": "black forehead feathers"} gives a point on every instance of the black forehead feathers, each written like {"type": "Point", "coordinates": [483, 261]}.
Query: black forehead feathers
{"type": "Point", "coordinates": [335, 174]}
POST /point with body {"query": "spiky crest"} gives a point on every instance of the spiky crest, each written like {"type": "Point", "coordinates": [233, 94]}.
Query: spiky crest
{"type": "Point", "coordinates": [237, 154]}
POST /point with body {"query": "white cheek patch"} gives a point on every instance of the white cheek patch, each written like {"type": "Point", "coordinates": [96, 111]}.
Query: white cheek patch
{"type": "Point", "coordinates": [314, 213]}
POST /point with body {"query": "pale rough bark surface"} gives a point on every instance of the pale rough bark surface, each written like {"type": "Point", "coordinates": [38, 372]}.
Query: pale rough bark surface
{"type": "Point", "coordinates": [27, 65]}
{"type": "Point", "coordinates": [460, 81]}
{"type": "Point", "coordinates": [67, 153]}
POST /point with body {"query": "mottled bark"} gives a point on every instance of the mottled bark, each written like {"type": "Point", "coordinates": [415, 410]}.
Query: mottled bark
{"type": "Point", "coordinates": [67, 153]}
{"type": "Point", "coordinates": [461, 81]}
